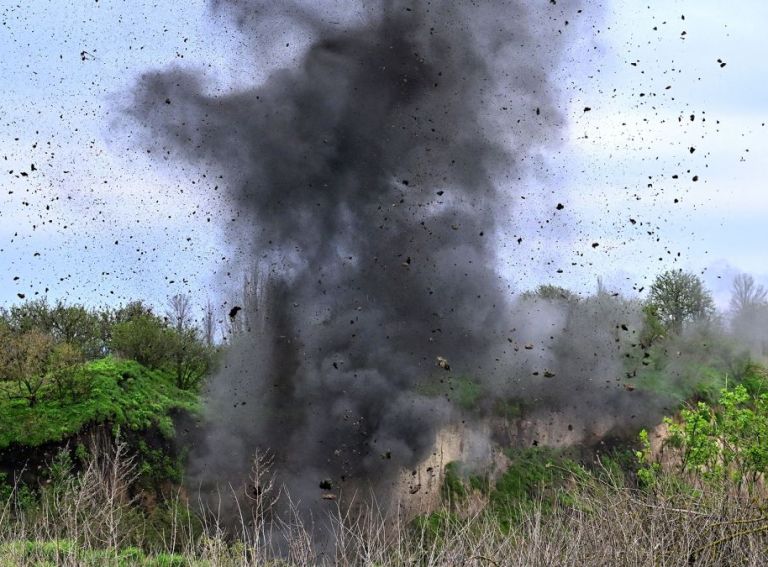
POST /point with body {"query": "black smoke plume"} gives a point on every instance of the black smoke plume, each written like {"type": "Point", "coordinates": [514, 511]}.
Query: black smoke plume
{"type": "Point", "coordinates": [372, 172]}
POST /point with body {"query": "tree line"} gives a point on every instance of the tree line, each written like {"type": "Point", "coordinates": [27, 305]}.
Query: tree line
{"type": "Point", "coordinates": [46, 344]}
{"type": "Point", "coordinates": [678, 300]}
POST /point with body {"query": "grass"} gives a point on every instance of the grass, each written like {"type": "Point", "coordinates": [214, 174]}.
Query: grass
{"type": "Point", "coordinates": [44, 553]}
{"type": "Point", "coordinates": [594, 519]}
{"type": "Point", "coordinates": [453, 490]}
{"type": "Point", "coordinates": [122, 393]}
{"type": "Point", "coordinates": [463, 391]}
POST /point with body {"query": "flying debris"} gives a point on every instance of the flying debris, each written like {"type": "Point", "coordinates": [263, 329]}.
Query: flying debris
{"type": "Point", "coordinates": [322, 152]}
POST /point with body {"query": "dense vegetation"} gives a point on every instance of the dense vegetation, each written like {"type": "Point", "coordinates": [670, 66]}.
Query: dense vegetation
{"type": "Point", "coordinates": [122, 393]}
{"type": "Point", "coordinates": [68, 373]}
{"type": "Point", "coordinates": [92, 402]}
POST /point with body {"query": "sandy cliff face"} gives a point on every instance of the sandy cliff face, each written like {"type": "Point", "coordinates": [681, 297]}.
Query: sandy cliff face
{"type": "Point", "coordinates": [479, 447]}
{"type": "Point", "coordinates": [418, 490]}
{"type": "Point", "coordinates": [560, 428]}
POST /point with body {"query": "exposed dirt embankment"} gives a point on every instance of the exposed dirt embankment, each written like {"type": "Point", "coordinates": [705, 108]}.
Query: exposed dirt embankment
{"type": "Point", "coordinates": [480, 448]}
{"type": "Point", "coordinates": [418, 490]}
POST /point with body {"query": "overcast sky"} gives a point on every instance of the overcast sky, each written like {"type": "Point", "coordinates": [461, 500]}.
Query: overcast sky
{"type": "Point", "coordinates": [96, 221]}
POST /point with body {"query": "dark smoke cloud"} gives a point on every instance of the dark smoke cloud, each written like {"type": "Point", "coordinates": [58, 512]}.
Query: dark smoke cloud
{"type": "Point", "coordinates": [372, 173]}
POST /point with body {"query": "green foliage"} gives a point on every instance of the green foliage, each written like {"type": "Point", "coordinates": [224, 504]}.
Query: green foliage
{"type": "Point", "coordinates": [481, 483]}
{"type": "Point", "coordinates": [693, 366]}
{"type": "Point", "coordinates": [728, 439]}
{"type": "Point", "coordinates": [463, 391]}
{"type": "Point", "coordinates": [617, 466]}
{"type": "Point", "coordinates": [71, 324]}
{"type": "Point", "coordinates": [719, 442]}
{"type": "Point", "coordinates": [81, 453]}
{"type": "Point", "coordinates": [453, 491]}
{"type": "Point", "coordinates": [17, 494]}
{"type": "Point", "coordinates": [534, 478]}
{"type": "Point", "coordinates": [68, 552]}
{"type": "Point", "coordinates": [648, 471]}
{"type": "Point", "coordinates": [165, 519]}
{"type": "Point", "coordinates": [64, 365]}
{"type": "Point", "coordinates": [190, 358]}
{"type": "Point", "coordinates": [25, 359]}
{"type": "Point", "coordinates": [123, 393]}
{"type": "Point", "coordinates": [147, 339]}
{"type": "Point", "coordinates": [678, 297]}
{"type": "Point", "coordinates": [157, 465]}
{"type": "Point", "coordinates": [551, 293]}
{"type": "Point", "coordinates": [131, 311]}
{"type": "Point", "coordinates": [511, 409]}
{"type": "Point", "coordinates": [433, 527]}
{"type": "Point", "coordinates": [144, 338]}
{"type": "Point", "coordinates": [755, 379]}
{"type": "Point", "coordinates": [528, 472]}
{"type": "Point", "coordinates": [653, 328]}
{"type": "Point", "coordinates": [60, 469]}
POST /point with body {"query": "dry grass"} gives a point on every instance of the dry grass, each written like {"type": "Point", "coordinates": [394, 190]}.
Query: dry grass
{"type": "Point", "coordinates": [90, 520]}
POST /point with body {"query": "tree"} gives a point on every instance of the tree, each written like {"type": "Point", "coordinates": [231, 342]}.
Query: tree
{"type": "Point", "coordinates": [64, 365]}
{"type": "Point", "coordinates": [552, 293]}
{"type": "Point", "coordinates": [209, 325]}
{"type": "Point", "coordinates": [25, 359]}
{"type": "Point", "coordinates": [77, 326]}
{"type": "Point", "coordinates": [73, 324]}
{"type": "Point", "coordinates": [150, 340]}
{"type": "Point", "coordinates": [653, 329]}
{"type": "Point", "coordinates": [746, 294]}
{"type": "Point", "coordinates": [130, 311]}
{"type": "Point", "coordinates": [143, 338]}
{"type": "Point", "coordinates": [179, 312]}
{"type": "Point", "coordinates": [191, 358]}
{"type": "Point", "coordinates": [250, 310]}
{"type": "Point", "coordinates": [32, 314]}
{"type": "Point", "coordinates": [749, 309]}
{"type": "Point", "coordinates": [679, 297]}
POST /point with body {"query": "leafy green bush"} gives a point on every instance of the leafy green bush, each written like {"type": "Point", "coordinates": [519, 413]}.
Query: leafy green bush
{"type": "Point", "coordinates": [535, 478]}
{"type": "Point", "coordinates": [121, 392]}
{"type": "Point", "coordinates": [144, 338]}
{"type": "Point", "coordinates": [728, 439]}
{"type": "Point", "coordinates": [719, 442]}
